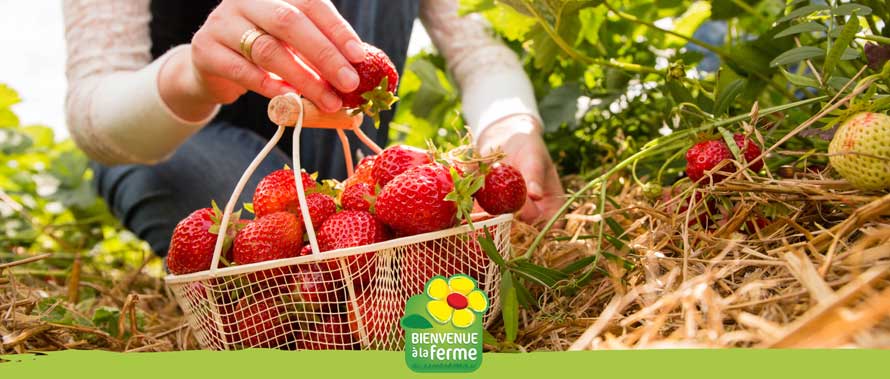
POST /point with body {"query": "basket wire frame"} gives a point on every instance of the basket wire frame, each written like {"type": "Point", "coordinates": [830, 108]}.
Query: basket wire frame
{"type": "Point", "coordinates": [346, 299]}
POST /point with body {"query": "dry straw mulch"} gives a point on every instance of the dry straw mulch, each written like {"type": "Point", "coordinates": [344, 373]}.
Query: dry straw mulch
{"type": "Point", "coordinates": [814, 273]}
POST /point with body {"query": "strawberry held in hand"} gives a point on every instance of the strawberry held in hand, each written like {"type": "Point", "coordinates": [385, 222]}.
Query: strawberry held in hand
{"type": "Point", "coordinates": [276, 236]}
{"type": "Point", "coordinates": [396, 160]}
{"type": "Point", "coordinates": [503, 191]}
{"type": "Point", "coordinates": [707, 155]}
{"type": "Point", "coordinates": [378, 80]}
{"type": "Point", "coordinates": [194, 238]}
{"type": "Point", "coordinates": [414, 202]}
{"type": "Point", "coordinates": [278, 192]}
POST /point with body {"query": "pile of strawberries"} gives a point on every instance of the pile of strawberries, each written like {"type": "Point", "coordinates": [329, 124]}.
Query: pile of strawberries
{"type": "Point", "coordinates": [401, 192]}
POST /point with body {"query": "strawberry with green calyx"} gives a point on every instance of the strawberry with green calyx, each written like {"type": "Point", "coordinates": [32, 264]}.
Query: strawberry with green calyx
{"type": "Point", "coordinates": [860, 151]}
{"type": "Point", "coordinates": [194, 239]}
{"type": "Point", "coordinates": [275, 236]}
{"type": "Point", "coordinates": [378, 79]}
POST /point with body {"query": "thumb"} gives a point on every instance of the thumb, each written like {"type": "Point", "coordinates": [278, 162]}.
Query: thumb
{"type": "Point", "coordinates": [534, 172]}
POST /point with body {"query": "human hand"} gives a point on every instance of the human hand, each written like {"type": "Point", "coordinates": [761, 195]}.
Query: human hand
{"type": "Point", "coordinates": [308, 48]}
{"type": "Point", "coordinates": [519, 137]}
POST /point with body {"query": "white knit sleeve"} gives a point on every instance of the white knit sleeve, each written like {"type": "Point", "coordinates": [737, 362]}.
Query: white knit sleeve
{"type": "Point", "coordinates": [492, 82]}
{"type": "Point", "coordinates": [114, 110]}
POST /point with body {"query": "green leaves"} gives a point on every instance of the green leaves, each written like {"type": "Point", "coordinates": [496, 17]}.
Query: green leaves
{"type": "Point", "coordinates": [806, 27]}
{"type": "Point", "coordinates": [803, 11]}
{"type": "Point", "coordinates": [835, 54]}
{"type": "Point", "coordinates": [560, 106]}
{"type": "Point", "coordinates": [796, 55]}
{"type": "Point", "coordinates": [509, 306]}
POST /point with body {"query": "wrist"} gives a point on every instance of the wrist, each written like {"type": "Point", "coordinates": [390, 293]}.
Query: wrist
{"type": "Point", "coordinates": [180, 88]}
{"type": "Point", "coordinates": [507, 127]}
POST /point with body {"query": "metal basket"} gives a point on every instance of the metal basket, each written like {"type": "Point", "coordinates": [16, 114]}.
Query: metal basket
{"type": "Point", "coordinates": [344, 299]}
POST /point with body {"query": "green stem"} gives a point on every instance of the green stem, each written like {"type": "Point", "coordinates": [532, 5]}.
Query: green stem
{"type": "Point", "coordinates": [657, 145]}
{"type": "Point", "coordinates": [873, 38]}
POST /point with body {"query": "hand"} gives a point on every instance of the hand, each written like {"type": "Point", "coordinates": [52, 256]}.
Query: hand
{"type": "Point", "coordinates": [519, 136]}
{"type": "Point", "coordinates": [309, 47]}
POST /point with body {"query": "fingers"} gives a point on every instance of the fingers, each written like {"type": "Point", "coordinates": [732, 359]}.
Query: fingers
{"type": "Point", "coordinates": [215, 59]}
{"type": "Point", "coordinates": [295, 27]}
{"type": "Point", "coordinates": [272, 55]}
{"type": "Point", "coordinates": [334, 26]}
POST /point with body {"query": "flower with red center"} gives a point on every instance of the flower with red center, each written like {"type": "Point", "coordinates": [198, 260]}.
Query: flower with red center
{"type": "Point", "coordinates": [455, 300]}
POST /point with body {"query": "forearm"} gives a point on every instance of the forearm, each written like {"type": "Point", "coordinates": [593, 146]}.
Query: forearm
{"type": "Point", "coordinates": [492, 81]}
{"type": "Point", "coordinates": [122, 117]}
{"type": "Point", "coordinates": [115, 109]}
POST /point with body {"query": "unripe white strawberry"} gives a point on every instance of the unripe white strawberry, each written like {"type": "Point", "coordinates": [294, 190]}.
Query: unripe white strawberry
{"type": "Point", "coordinates": [860, 151]}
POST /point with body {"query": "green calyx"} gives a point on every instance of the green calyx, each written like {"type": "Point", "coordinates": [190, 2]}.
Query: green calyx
{"type": "Point", "coordinates": [462, 195]}
{"type": "Point", "coordinates": [234, 227]}
{"type": "Point", "coordinates": [377, 100]}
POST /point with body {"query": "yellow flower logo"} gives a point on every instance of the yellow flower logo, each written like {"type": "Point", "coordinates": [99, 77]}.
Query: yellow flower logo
{"type": "Point", "coordinates": [456, 300]}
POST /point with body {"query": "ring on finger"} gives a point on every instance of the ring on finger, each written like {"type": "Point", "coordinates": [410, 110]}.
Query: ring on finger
{"type": "Point", "coordinates": [247, 40]}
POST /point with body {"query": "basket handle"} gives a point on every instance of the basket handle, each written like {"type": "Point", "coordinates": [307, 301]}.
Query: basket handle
{"type": "Point", "coordinates": [285, 111]}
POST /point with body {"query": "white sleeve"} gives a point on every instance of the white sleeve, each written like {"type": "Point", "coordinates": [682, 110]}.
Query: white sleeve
{"type": "Point", "coordinates": [492, 82]}
{"type": "Point", "coordinates": [114, 109]}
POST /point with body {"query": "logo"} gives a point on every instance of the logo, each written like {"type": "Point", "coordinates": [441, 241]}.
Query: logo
{"type": "Point", "coordinates": [443, 326]}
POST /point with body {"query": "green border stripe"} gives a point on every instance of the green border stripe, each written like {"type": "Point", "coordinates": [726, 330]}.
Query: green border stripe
{"type": "Point", "coordinates": [257, 364]}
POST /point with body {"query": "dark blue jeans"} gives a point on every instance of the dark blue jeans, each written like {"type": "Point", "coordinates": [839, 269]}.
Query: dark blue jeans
{"type": "Point", "coordinates": [150, 200]}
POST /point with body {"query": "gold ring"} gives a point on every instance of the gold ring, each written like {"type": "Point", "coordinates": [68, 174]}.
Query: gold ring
{"type": "Point", "coordinates": [247, 40]}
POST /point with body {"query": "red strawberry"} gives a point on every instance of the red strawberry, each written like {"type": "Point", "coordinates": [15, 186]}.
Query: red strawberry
{"type": "Point", "coordinates": [194, 238]}
{"type": "Point", "coordinates": [276, 236]}
{"type": "Point", "coordinates": [378, 79]}
{"type": "Point", "coordinates": [380, 317]}
{"type": "Point", "coordinates": [449, 256]}
{"type": "Point", "coordinates": [363, 172]}
{"type": "Point", "coordinates": [706, 155]}
{"type": "Point", "coordinates": [321, 206]}
{"type": "Point", "coordinates": [262, 322]}
{"type": "Point", "coordinates": [278, 192]}
{"type": "Point", "coordinates": [396, 160]}
{"type": "Point", "coordinates": [320, 284]}
{"type": "Point", "coordinates": [504, 190]}
{"type": "Point", "coordinates": [357, 197]}
{"type": "Point", "coordinates": [331, 333]}
{"type": "Point", "coordinates": [414, 202]}
{"type": "Point", "coordinates": [350, 229]}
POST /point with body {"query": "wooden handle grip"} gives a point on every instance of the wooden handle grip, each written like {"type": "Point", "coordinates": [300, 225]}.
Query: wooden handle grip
{"type": "Point", "coordinates": [284, 110]}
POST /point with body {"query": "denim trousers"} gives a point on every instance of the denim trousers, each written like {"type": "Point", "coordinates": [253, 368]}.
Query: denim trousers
{"type": "Point", "coordinates": [151, 199]}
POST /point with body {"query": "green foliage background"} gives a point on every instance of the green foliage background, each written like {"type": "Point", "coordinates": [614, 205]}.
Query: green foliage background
{"type": "Point", "coordinates": [47, 205]}
{"type": "Point", "coordinates": [610, 76]}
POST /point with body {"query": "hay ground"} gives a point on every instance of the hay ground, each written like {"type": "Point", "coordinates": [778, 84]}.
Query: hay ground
{"type": "Point", "coordinates": [813, 272]}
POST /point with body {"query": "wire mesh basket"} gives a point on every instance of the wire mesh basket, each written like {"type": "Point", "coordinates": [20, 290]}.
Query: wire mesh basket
{"type": "Point", "coordinates": [344, 299]}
